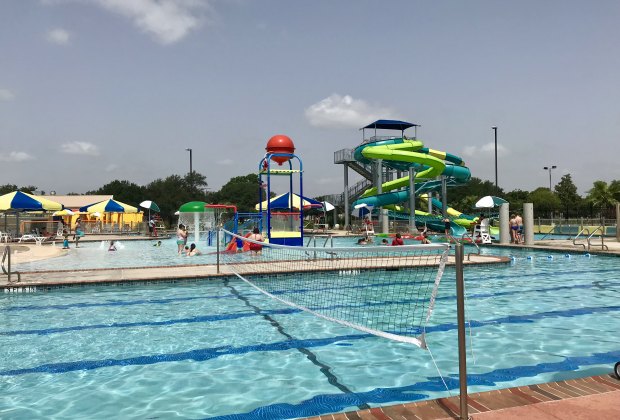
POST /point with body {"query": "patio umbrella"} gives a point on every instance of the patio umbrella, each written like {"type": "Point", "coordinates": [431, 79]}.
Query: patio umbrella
{"type": "Point", "coordinates": [361, 210]}
{"type": "Point", "coordinates": [328, 207]}
{"type": "Point", "coordinates": [148, 204]}
{"type": "Point", "coordinates": [21, 201]}
{"type": "Point", "coordinates": [489, 201]}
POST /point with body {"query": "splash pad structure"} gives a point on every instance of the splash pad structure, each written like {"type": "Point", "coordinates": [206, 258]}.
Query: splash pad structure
{"type": "Point", "coordinates": [285, 226]}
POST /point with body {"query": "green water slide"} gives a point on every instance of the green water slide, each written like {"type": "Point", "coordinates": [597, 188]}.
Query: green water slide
{"type": "Point", "coordinates": [400, 154]}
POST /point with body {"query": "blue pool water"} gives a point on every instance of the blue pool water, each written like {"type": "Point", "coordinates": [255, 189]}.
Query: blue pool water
{"type": "Point", "coordinates": [219, 349]}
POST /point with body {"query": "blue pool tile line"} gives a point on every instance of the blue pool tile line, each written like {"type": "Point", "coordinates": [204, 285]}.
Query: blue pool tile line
{"type": "Point", "coordinates": [324, 404]}
{"type": "Point", "coordinates": [209, 353]}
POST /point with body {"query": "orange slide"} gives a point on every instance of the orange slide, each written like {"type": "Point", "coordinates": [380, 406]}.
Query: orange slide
{"type": "Point", "coordinates": [232, 245]}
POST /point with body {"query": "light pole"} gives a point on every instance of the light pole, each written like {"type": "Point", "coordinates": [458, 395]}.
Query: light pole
{"type": "Point", "coordinates": [191, 178]}
{"type": "Point", "coordinates": [495, 132]}
{"type": "Point", "coordinates": [549, 168]}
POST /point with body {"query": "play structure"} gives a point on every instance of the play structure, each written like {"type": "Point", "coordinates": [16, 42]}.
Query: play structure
{"type": "Point", "coordinates": [201, 219]}
{"type": "Point", "coordinates": [433, 171]}
{"type": "Point", "coordinates": [282, 224]}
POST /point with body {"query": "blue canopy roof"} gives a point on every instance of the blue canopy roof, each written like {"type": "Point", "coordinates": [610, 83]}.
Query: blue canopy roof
{"type": "Point", "coordinates": [390, 125]}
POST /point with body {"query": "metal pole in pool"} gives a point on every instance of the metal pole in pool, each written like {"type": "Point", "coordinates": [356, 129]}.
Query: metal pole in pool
{"type": "Point", "coordinates": [217, 249]}
{"type": "Point", "coordinates": [460, 315]}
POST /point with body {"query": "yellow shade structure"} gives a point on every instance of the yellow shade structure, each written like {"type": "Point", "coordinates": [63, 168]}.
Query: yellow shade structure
{"type": "Point", "coordinates": [21, 201]}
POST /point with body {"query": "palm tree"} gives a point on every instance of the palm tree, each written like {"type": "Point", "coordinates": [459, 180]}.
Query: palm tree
{"type": "Point", "coordinates": [602, 195]}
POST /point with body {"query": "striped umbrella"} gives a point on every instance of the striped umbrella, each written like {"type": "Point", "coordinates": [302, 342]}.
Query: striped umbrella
{"type": "Point", "coordinates": [21, 201]}
{"type": "Point", "coordinates": [109, 206]}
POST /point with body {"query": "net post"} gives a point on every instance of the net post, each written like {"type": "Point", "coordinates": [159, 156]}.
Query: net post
{"type": "Point", "coordinates": [217, 241]}
{"type": "Point", "coordinates": [460, 314]}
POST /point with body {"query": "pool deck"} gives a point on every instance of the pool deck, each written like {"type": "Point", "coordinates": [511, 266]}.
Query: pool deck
{"type": "Point", "coordinates": [594, 397]}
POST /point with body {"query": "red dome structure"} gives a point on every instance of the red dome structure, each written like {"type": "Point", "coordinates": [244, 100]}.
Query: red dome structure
{"type": "Point", "coordinates": [280, 144]}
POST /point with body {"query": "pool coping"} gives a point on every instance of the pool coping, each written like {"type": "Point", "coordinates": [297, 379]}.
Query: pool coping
{"type": "Point", "coordinates": [161, 274]}
{"type": "Point", "coordinates": [581, 398]}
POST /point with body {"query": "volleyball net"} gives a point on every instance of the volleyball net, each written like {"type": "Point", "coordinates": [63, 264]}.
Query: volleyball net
{"type": "Point", "coordinates": [387, 291]}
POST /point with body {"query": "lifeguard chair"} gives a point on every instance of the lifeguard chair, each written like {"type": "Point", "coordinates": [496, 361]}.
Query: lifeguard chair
{"type": "Point", "coordinates": [481, 232]}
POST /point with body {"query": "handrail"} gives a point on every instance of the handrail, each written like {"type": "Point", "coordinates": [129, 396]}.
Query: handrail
{"type": "Point", "coordinates": [587, 232]}
{"type": "Point", "coordinates": [466, 235]}
{"type": "Point", "coordinates": [602, 245]}
{"type": "Point", "coordinates": [550, 232]}
{"type": "Point", "coordinates": [6, 256]}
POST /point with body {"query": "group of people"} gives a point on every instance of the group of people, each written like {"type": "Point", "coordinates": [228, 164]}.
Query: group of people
{"type": "Point", "coordinates": [182, 247]}
{"type": "Point", "coordinates": [396, 241]}
{"type": "Point", "coordinates": [516, 228]}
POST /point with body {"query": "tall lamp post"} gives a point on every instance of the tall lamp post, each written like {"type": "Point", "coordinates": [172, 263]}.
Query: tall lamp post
{"type": "Point", "coordinates": [495, 133]}
{"type": "Point", "coordinates": [191, 175]}
{"type": "Point", "coordinates": [549, 168]}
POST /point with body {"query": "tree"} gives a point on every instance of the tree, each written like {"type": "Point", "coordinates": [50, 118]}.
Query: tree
{"type": "Point", "coordinates": [241, 191]}
{"type": "Point", "coordinates": [123, 191]}
{"type": "Point", "coordinates": [173, 191]}
{"type": "Point", "coordinates": [516, 198]}
{"type": "Point", "coordinates": [545, 202]}
{"type": "Point", "coordinates": [566, 192]}
{"type": "Point", "coordinates": [9, 188]}
{"type": "Point", "coordinates": [465, 196]}
{"type": "Point", "coordinates": [602, 196]}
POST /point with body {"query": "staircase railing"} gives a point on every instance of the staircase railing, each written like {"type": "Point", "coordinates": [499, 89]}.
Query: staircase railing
{"type": "Point", "coordinates": [602, 244]}
{"type": "Point", "coordinates": [6, 259]}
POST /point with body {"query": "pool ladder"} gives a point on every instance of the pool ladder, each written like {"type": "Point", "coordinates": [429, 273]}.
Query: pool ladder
{"type": "Point", "coordinates": [6, 258]}
{"type": "Point", "coordinates": [588, 236]}
{"type": "Point", "coordinates": [467, 236]}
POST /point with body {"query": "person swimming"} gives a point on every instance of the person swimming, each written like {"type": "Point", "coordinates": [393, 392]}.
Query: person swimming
{"type": "Point", "coordinates": [158, 243]}
{"type": "Point", "coordinates": [112, 247]}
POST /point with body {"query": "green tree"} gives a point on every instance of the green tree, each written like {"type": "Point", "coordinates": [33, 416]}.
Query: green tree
{"type": "Point", "coordinates": [516, 198]}
{"type": "Point", "coordinates": [545, 202]}
{"type": "Point", "coordinates": [9, 188]}
{"type": "Point", "coordinates": [123, 191]}
{"type": "Point", "coordinates": [173, 191]}
{"type": "Point", "coordinates": [570, 201]}
{"type": "Point", "coordinates": [465, 196]}
{"type": "Point", "coordinates": [602, 196]}
{"type": "Point", "coordinates": [241, 191]}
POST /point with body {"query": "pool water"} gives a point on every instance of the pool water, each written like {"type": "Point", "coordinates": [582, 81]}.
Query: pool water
{"type": "Point", "coordinates": [219, 349]}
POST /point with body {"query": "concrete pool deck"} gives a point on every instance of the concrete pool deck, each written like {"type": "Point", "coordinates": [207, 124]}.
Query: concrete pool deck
{"type": "Point", "coordinates": [594, 397]}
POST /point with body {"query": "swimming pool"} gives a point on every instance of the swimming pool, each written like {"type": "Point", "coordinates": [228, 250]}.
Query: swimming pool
{"type": "Point", "coordinates": [219, 349]}
{"type": "Point", "coordinates": [141, 253]}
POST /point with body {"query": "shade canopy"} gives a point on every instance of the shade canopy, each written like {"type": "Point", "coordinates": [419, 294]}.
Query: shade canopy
{"type": "Point", "coordinates": [21, 201]}
{"type": "Point", "coordinates": [193, 207]}
{"type": "Point", "coordinates": [148, 204]}
{"type": "Point", "coordinates": [489, 201]}
{"type": "Point", "coordinates": [391, 125]}
{"type": "Point", "coordinates": [109, 206]}
{"type": "Point", "coordinates": [290, 201]}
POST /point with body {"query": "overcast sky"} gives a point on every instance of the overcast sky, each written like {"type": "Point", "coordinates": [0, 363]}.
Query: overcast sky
{"type": "Point", "coordinates": [97, 90]}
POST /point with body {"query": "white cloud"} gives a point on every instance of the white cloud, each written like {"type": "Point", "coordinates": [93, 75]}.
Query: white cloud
{"type": "Point", "coordinates": [111, 167]}
{"type": "Point", "coordinates": [6, 95]}
{"type": "Point", "coordinates": [486, 150]}
{"type": "Point", "coordinates": [338, 111]}
{"type": "Point", "coordinates": [168, 21]}
{"type": "Point", "coordinates": [226, 162]}
{"type": "Point", "coordinates": [15, 157]}
{"type": "Point", "coordinates": [58, 36]}
{"type": "Point", "coordinates": [80, 148]}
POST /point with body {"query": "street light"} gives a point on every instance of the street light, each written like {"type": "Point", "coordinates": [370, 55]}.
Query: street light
{"type": "Point", "coordinates": [549, 168]}
{"type": "Point", "coordinates": [191, 180]}
{"type": "Point", "coordinates": [495, 132]}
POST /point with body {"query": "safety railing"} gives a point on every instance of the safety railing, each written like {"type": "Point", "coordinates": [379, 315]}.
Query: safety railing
{"type": "Point", "coordinates": [551, 232]}
{"type": "Point", "coordinates": [328, 239]}
{"type": "Point", "coordinates": [6, 269]}
{"type": "Point", "coordinates": [465, 236]}
{"type": "Point", "coordinates": [600, 229]}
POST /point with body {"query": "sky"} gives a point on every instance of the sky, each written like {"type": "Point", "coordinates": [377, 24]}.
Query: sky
{"type": "Point", "coordinates": [97, 90]}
